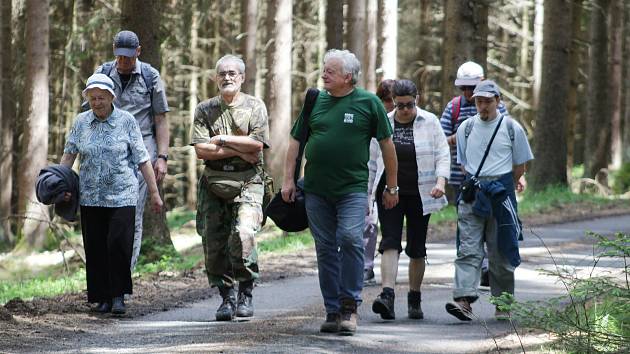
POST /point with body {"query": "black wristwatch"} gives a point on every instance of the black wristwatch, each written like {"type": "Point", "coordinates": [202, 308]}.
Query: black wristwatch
{"type": "Point", "coordinates": [392, 190]}
{"type": "Point", "coordinates": [163, 156]}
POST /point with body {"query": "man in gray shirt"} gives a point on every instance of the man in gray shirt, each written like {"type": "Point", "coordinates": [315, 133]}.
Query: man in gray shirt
{"type": "Point", "coordinates": [140, 91]}
{"type": "Point", "coordinates": [492, 216]}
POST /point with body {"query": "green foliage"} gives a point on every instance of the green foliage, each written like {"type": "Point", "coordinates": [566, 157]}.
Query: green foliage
{"type": "Point", "coordinates": [41, 287]}
{"type": "Point", "coordinates": [622, 179]}
{"type": "Point", "coordinates": [170, 263]}
{"type": "Point", "coordinates": [285, 244]}
{"type": "Point", "coordinates": [175, 219]}
{"type": "Point", "coordinates": [594, 315]}
{"type": "Point", "coordinates": [554, 197]}
{"type": "Point", "coordinates": [449, 213]}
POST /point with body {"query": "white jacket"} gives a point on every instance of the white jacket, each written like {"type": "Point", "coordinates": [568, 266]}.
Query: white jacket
{"type": "Point", "coordinates": [432, 157]}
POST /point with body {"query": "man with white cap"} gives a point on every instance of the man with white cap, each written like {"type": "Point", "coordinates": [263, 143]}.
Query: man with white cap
{"type": "Point", "coordinates": [495, 157]}
{"type": "Point", "coordinates": [111, 148]}
{"type": "Point", "coordinates": [140, 91]}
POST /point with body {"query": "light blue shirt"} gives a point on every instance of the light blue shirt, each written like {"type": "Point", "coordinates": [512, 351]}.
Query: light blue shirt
{"type": "Point", "coordinates": [110, 152]}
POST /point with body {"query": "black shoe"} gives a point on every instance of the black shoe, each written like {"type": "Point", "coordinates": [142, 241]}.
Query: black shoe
{"type": "Point", "coordinates": [368, 277]}
{"type": "Point", "coordinates": [384, 305]}
{"type": "Point", "coordinates": [244, 306]}
{"type": "Point", "coordinates": [226, 311]}
{"type": "Point", "coordinates": [118, 306]}
{"type": "Point", "coordinates": [102, 307]}
{"type": "Point", "coordinates": [414, 310]}
{"type": "Point", "coordinates": [485, 278]}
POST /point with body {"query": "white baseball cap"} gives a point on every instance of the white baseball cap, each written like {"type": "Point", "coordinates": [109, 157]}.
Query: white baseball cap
{"type": "Point", "coordinates": [469, 74]}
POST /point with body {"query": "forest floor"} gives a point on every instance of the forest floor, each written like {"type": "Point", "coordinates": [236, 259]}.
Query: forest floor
{"type": "Point", "coordinates": [28, 326]}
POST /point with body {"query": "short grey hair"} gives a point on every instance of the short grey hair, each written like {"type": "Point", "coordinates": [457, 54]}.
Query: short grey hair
{"type": "Point", "coordinates": [231, 59]}
{"type": "Point", "coordinates": [350, 62]}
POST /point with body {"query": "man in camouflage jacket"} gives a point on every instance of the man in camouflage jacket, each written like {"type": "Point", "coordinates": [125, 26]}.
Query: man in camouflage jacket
{"type": "Point", "coordinates": [229, 133]}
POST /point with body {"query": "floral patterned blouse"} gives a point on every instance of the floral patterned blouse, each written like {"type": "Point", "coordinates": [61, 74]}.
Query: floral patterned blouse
{"type": "Point", "coordinates": [110, 151]}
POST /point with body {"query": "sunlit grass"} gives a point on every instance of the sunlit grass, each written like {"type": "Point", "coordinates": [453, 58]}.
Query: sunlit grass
{"type": "Point", "coordinates": [285, 244]}
{"type": "Point", "coordinates": [27, 289]}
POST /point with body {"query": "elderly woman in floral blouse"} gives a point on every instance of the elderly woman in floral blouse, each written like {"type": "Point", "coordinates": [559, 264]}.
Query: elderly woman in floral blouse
{"type": "Point", "coordinates": [111, 150]}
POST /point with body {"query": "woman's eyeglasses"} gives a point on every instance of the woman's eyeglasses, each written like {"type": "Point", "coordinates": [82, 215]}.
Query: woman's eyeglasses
{"type": "Point", "coordinates": [408, 105]}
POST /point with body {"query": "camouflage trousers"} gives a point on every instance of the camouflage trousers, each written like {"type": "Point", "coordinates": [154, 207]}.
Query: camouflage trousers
{"type": "Point", "coordinates": [228, 229]}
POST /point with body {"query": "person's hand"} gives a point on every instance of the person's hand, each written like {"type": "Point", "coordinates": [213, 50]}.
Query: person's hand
{"type": "Point", "coordinates": [521, 184]}
{"type": "Point", "coordinates": [67, 196]}
{"type": "Point", "coordinates": [389, 200]}
{"type": "Point", "coordinates": [156, 202]}
{"type": "Point", "coordinates": [288, 190]}
{"type": "Point", "coordinates": [452, 140]}
{"type": "Point", "coordinates": [159, 169]}
{"type": "Point", "coordinates": [251, 157]}
{"type": "Point", "coordinates": [218, 140]}
{"type": "Point", "coordinates": [438, 191]}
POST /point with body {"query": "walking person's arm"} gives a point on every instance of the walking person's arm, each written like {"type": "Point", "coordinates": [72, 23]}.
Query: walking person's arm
{"type": "Point", "coordinates": [288, 183]}
{"type": "Point", "coordinates": [391, 170]}
{"type": "Point", "coordinates": [162, 139]}
{"type": "Point", "coordinates": [149, 177]}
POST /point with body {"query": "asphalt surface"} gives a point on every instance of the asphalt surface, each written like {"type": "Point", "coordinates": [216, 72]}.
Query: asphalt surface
{"type": "Point", "coordinates": [289, 312]}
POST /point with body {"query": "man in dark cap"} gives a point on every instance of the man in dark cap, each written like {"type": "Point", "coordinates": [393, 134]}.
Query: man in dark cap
{"type": "Point", "coordinates": [140, 91]}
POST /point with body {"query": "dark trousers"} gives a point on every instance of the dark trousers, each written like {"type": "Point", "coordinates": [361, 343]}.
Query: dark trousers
{"type": "Point", "coordinates": [409, 207]}
{"type": "Point", "coordinates": [108, 242]}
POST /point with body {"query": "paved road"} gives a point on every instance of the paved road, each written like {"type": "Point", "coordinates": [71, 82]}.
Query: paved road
{"type": "Point", "coordinates": [289, 312]}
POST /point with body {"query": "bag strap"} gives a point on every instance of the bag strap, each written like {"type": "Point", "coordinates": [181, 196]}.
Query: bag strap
{"type": "Point", "coordinates": [488, 148]}
{"type": "Point", "coordinates": [456, 107]}
{"type": "Point", "coordinates": [309, 103]}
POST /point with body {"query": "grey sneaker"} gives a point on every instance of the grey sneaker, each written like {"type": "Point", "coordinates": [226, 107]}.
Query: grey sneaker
{"type": "Point", "coordinates": [348, 320]}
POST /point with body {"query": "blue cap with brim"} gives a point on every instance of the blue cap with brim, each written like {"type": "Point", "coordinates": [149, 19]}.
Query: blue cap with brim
{"type": "Point", "coordinates": [486, 88]}
{"type": "Point", "coordinates": [125, 44]}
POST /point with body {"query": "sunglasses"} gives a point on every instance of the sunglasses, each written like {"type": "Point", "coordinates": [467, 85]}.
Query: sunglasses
{"type": "Point", "coordinates": [408, 105]}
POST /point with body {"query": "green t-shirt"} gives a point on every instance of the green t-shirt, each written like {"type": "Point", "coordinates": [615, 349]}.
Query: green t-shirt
{"type": "Point", "coordinates": [337, 151]}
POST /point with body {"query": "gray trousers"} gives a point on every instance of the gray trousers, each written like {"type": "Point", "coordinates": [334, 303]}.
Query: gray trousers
{"type": "Point", "coordinates": [472, 232]}
{"type": "Point", "coordinates": [150, 144]}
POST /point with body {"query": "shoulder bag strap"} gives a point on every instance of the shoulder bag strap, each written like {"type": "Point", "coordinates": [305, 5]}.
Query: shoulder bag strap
{"type": "Point", "coordinates": [309, 103]}
{"type": "Point", "coordinates": [488, 148]}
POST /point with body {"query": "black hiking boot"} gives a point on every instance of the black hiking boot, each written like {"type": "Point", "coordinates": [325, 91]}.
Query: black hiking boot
{"type": "Point", "coordinates": [384, 304]}
{"type": "Point", "coordinates": [348, 317]}
{"type": "Point", "coordinates": [244, 306]}
{"type": "Point", "coordinates": [118, 306]}
{"type": "Point", "coordinates": [226, 311]}
{"type": "Point", "coordinates": [414, 311]}
{"type": "Point", "coordinates": [102, 307]}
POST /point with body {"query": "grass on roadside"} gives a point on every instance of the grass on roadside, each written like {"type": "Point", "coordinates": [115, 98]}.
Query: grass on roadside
{"type": "Point", "coordinates": [286, 244]}
{"type": "Point", "coordinates": [42, 287]}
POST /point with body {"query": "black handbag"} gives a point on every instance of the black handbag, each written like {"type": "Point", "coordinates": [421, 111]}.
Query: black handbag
{"type": "Point", "coordinates": [468, 189]}
{"type": "Point", "coordinates": [291, 217]}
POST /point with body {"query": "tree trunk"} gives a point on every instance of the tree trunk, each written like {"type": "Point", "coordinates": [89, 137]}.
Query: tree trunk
{"type": "Point", "coordinates": [616, 48]}
{"type": "Point", "coordinates": [35, 135]}
{"type": "Point", "coordinates": [574, 65]}
{"type": "Point", "coordinates": [193, 94]}
{"type": "Point", "coordinates": [249, 12]}
{"type": "Point", "coordinates": [370, 45]}
{"type": "Point", "coordinates": [356, 33]}
{"type": "Point", "coordinates": [7, 120]}
{"type": "Point", "coordinates": [389, 34]}
{"type": "Point", "coordinates": [278, 92]}
{"type": "Point", "coordinates": [465, 38]}
{"type": "Point", "coordinates": [549, 135]}
{"type": "Point", "coordinates": [334, 24]}
{"type": "Point", "coordinates": [539, 12]}
{"type": "Point", "coordinates": [144, 18]}
{"type": "Point", "coordinates": [597, 142]}
{"type": "Point", "coordinates": [625, 146]}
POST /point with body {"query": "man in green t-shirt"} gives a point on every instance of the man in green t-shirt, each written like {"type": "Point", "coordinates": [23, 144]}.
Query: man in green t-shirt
{"type": "Point", "coordinates": [343, 121]}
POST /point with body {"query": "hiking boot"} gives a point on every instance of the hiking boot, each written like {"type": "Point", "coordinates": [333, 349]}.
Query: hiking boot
{"type": "Point", "coordinates": [348, 320]}
{"type": "Point", "coordinates": [226, 311]}
{"type": "Point", "coordinates": [460, 309]}
{"type": "Point", "coordinates": [414, 310]}
{"type": "Point", "coordinates": [368, 277]}
{"type": "Point", "coordinates": [102, 307]}
{"type": "Point", "coordinates": [384, 304]}
{"type": "Point", "coordinates": [244, 306]}
{"type": "Point", "coordinates": [118, 306]}
{"type": "Point", "coordinates": [331, 325]}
